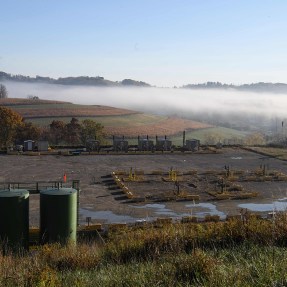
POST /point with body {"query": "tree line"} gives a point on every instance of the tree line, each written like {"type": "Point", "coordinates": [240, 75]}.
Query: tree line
{"type": "Point", "coordinates": [3, 92]}
{"type": "Point", "coordinates": [15, 130]}
{"type": "Point", "coordinates": [82, 80]}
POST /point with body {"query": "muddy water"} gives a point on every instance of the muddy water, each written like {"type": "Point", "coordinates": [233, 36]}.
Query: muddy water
{"type": "Point", "coordinates": [106, 216]}
{"type": "Point", "coordinates": [200, 210]}
{"type": "Point", "coordinates": [154, 210]}
{"type": "Point", "coordinates": [279, 205]}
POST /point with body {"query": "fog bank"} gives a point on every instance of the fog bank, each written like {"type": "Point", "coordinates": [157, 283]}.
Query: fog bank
{"type": "Point", "coordinates": [227, 105]}
{"type": "Point", "coordinates": [156, 99]}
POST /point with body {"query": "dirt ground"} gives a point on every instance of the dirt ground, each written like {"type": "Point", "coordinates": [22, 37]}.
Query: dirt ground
{"type": "Point", "coordinates": [101, 201]}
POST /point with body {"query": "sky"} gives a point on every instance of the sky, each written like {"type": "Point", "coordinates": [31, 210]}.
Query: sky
{"type": "Point", "coordinates": [162, 42]}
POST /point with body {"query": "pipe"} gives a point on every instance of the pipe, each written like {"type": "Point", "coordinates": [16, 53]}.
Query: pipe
{"type": "Point", "coordinates": [183, 139]}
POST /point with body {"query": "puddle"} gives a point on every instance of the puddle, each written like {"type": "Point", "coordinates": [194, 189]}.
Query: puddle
{"type": "Point", "coordinates": [106, 215]}
{"type": "Point", "coordinates": [160, 209]}
{"type": "Point", "coordinates": [210, 210]}
{"type": "Point", "coordinates": [150, 205]}
{"type": "Point", "coordinates": [279, 205]}
{"type": "Point", "coordinates": [157, 209]}
{"type": "Point", "coordinates": [197, 209]}
{"type": "Point", "coordinates": [155, 206]}
{"type": "Point", "coordinates": [238, 157]}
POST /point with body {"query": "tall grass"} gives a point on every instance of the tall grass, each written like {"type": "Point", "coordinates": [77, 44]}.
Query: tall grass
{"type": "Point", "coordinates": [233, 253]}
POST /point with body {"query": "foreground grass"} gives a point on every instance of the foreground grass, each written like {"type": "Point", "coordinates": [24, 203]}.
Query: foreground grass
{"type": "Point", "coordinates": [233, 253]}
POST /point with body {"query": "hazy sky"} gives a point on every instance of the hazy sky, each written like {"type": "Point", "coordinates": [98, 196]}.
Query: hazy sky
{"type": "Point", "coordinates": [162, 42]}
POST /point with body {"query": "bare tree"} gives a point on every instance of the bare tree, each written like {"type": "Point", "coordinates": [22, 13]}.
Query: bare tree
{"type": "Point", "coordinates": [3, 92]}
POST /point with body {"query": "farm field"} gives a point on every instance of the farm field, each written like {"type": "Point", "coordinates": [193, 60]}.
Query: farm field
{"type": "Point", "coordinates": [102, 201]}
{"type": "Point", "coordinates": [119, 122]}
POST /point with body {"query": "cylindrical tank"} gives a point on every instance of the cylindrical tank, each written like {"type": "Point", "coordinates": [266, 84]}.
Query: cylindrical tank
{"type": "Point", "coordinates": [14, 219]}
{"type": "Point", "coordinates": [58, 215]}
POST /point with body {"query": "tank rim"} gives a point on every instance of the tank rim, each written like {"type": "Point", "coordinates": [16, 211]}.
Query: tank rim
{"type": "Point", "coordinates": [60, 191]}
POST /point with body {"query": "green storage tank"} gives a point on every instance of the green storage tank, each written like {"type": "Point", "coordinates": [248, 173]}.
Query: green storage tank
{"type": "Point", "coordinates": [58, 215]}
{"type": "Point", "coordinates": [14, 219]}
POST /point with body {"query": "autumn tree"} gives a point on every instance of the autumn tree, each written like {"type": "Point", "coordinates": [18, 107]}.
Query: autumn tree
{"type": "Point", "coordinates": [57, 131]}
{"type": "Point", "coordinates": [213, 138]}
{"type": "Point", "coordinates": [10, 121]}
{"type": "Point", "coordinates": [91, 130]}
{"type": "Point", "coordinates": [255, 139]}
{"type": "Point", "coordinates": [3, 92]}
{"type": "Point", "coordinates": [73, 132]}
{"type": "Point", "coordinates": [27, 130]}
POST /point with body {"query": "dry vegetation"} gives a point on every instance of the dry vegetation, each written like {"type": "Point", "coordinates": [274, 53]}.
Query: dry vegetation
{"type": "Point", "coordinates": [233, 253]}
{"type": "Point", "coordinates": [170, 126]}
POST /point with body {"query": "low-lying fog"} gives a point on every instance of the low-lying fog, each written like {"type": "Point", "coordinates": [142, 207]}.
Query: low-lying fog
{"type": "Point", "coordinates": [222, 107]}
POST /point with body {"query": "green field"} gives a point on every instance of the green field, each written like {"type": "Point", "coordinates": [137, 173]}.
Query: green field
{"type": "Point", "coordinates": [117, 120]}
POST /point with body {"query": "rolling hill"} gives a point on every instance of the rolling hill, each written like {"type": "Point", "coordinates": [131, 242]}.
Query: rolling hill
{"type": "Point", "coordinates": [116, 121]}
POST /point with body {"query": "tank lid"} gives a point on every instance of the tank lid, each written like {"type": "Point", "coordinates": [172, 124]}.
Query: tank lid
{"type": "Point", "coordinates": [60, 191]}
{"type": "Point", "coordinates": [14, 193]}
